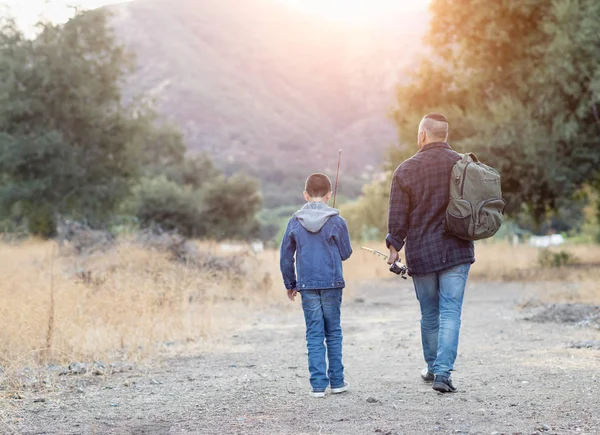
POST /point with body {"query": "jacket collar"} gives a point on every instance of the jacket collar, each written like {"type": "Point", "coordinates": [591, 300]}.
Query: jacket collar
{"type": "Point", "coordinates": [435, 145]}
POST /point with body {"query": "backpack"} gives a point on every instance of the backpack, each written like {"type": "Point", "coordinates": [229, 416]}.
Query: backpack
{"type": "Point", "coordinates": [476, 208]}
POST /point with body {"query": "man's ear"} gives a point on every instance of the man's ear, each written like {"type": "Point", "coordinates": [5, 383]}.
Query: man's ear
{"type": "Point", "coordinates": [422, 137]}
{"type": "Point", "coordinates": [306, 196]}
{"type": "Point", "coordinates": [328, 196]}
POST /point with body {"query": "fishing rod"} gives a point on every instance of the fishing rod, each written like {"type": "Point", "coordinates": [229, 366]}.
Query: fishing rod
{"type": "Point", "coordinates": [398, 267]}
{"type": "Point", "coordinates": [337, 178]}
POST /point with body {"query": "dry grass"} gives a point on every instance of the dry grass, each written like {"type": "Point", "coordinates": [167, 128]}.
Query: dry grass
{"type": "Point", "coordinates": [502, 262]}
{"type": "Point", "coordinates": [130, 302]}
{"type": "Point", "coordinates": [120, 305]}
{"type": "Point", "coordinates": [577, 282]}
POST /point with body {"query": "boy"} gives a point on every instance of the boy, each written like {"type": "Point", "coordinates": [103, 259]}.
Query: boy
{"type": "Point", "coordinates": [319, 238]}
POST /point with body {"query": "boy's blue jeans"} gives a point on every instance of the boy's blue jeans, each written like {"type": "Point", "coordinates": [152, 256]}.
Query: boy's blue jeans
{"type": "Point", "coordinates": [441, 297]}
{"type": "Point", "coordinates": [322, 316]}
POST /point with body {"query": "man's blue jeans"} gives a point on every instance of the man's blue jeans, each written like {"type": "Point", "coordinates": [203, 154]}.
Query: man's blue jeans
{"type": "Point", "coordinates": [322, 316]}
{"type": "Point", "coordinates": [441, 297]}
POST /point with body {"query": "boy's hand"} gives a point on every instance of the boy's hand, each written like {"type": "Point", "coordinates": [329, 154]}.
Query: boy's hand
{"type": "Point", "coordinates": [292, 294]}
{"type": "Point", "coordinates": [394, 256]}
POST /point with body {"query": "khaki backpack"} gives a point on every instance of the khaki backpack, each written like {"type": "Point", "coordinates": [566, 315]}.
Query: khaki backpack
{"type": "Point", "coordinates": [476, 208]}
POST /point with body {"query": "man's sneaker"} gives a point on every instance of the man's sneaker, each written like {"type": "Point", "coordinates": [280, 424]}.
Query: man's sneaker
{"type": "Point", "coordinates": [317, 393]}
{"type": "Point", "coordinates": [341, 389]}
{"type": "Point", "coordinates": [443, 384]}
{"type": "Point", "coordinates": [427, 376]}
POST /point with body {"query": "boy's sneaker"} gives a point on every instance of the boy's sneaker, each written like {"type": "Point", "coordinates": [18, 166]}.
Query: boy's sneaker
{"type": "Point", "coordinates": [443, 384]}
{"type": "Point", "coordinates": [427, 376]}
{"type": "Point", "coordinates": [317, 393]}
{"type": "Point", "coordinates": [341, 389]}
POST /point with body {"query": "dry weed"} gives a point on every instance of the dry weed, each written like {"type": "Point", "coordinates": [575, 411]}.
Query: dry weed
{"type": "Point", "coordinates": [123, 304]}
{"type": "Point", "coordinates": [502, 262]}
{"type": "Point", "coordinates": [129, 302]}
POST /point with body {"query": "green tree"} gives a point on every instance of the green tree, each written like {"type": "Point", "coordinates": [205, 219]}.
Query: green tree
{"type": "Point", "coordinates": [162, 145]}
{"type": "Point", "coordinates": [70, 145]}
{"type": "Point", "coordinates": [520, 84]}
{"type": "Point", "coordinates": [67, 140]}
{"type": "Point", "coordinates": [367, 218]}
{"type": "Point", "coordinates": [230, 207]}
{"type": "Point", "coordinates": [159, 202]}
{"type": "Point", "coordinates": [222, 209]}
{"type": "Point", "coordinates": [196, 171]}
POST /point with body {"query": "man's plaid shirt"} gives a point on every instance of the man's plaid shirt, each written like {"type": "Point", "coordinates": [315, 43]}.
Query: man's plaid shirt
{"type": "Point", "coordinates": [418, 199]}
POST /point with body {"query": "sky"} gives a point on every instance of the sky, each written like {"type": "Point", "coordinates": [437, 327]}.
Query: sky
{"type": "Point", "coordinates": [28, 12]}
{"type": "Point", "coordinates": [358, 12]}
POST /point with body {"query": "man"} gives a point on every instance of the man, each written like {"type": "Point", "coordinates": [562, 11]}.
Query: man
{"type": "Point", "coordinates": [438, 262]}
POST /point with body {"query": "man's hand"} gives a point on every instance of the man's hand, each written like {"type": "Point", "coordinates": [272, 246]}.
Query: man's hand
{"type": "Point", "coordinates": [394, 256]}
{"type": "Point", "coordinates": [292, 294]}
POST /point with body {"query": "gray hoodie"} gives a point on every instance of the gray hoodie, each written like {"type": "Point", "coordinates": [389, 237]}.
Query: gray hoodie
{"type": "Point", "coordinates": [314, 215]}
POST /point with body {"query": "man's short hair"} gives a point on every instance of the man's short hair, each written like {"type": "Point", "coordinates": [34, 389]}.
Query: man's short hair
{"type": "Point", "coordinates": [436, 117]}
{"type": "Point", "coordinates": [318, 185]}
{"type": "Point", "coordinates": [435, 125]}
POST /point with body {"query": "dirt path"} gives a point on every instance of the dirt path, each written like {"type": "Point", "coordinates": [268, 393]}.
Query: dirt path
{"type": "Point", "coordinates": [514, 377]}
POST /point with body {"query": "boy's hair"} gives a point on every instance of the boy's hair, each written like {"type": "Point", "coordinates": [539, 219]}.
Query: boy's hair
{"type": "Point", "coordinates": [318, 185]}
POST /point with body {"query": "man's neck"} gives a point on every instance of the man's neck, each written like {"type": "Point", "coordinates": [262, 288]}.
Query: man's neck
{"type": "Point", "coordinates": [432, 141]}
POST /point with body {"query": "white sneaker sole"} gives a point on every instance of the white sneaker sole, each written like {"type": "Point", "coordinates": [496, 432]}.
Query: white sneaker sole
{"type": "Point", "coordinates": [341, 389]}
{"type": "Point", "coordinates": [320, 394]}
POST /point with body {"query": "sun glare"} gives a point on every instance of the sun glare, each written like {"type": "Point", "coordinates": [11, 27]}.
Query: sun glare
{"type": "Point", "coordinates": [357, 12]}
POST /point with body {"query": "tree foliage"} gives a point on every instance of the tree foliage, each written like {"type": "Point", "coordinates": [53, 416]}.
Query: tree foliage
{"type": "Point", "coordinates": [367, 218]}
{"type": "Point", "coordinates": [520, 84]}
{"type": "Point", "coordinates": [159, 202]}
{"type": "Point", "coordinates": [67, 140]}
{"type": "Point", "coordinates": [222, 209]}
{"type": "Point", "coordinates": [70, 145]}
{"type": "Point", "coordinates": [230, 207]}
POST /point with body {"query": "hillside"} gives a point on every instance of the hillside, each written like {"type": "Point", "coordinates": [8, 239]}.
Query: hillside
{"type": "Point", "coordinates": [260, 85]}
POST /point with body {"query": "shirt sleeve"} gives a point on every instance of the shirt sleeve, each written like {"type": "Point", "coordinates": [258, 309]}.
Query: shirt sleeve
{"type": "Point", "coordinates": [399, 211]}
{"type": "Point", "coordinates": [342, 239]}
{"type": "Point", "coordinates": [286, 258]}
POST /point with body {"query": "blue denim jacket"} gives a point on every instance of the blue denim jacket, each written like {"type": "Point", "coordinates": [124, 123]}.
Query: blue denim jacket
{"type": "Point", "coordinates": [319, 238]}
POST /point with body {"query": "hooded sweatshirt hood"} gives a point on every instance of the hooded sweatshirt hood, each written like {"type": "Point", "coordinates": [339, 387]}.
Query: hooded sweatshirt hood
{"type": "Point", "coordinates": [314, 215]}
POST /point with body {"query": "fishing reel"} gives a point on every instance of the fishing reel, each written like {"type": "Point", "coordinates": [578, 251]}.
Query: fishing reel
{"type": "Point", "coordinates": [399, 269]}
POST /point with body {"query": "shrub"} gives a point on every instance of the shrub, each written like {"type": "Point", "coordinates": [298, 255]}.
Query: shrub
{"type": "Point", "coordinates": [163, 203]}
{"type": "Point", "coordinates": [549, 259]}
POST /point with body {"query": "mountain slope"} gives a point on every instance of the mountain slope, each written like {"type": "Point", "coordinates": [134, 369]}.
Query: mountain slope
{"type": "Point", "coordinates": [258, 84]}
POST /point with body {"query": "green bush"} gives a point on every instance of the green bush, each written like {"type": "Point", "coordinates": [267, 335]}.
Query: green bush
{"type": "Point", "coordinates": [41, 223]}
{"type": "Point", "coordinates": [549, 259]}
{"type": "Point", "coordinates": [230, 206]}
{"type": "Point", "coordinates": [159, 202]}
{"type": "Point", "coordinates": [367, 217]}
{"type": "Point", "coordinates": [225, 208]}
